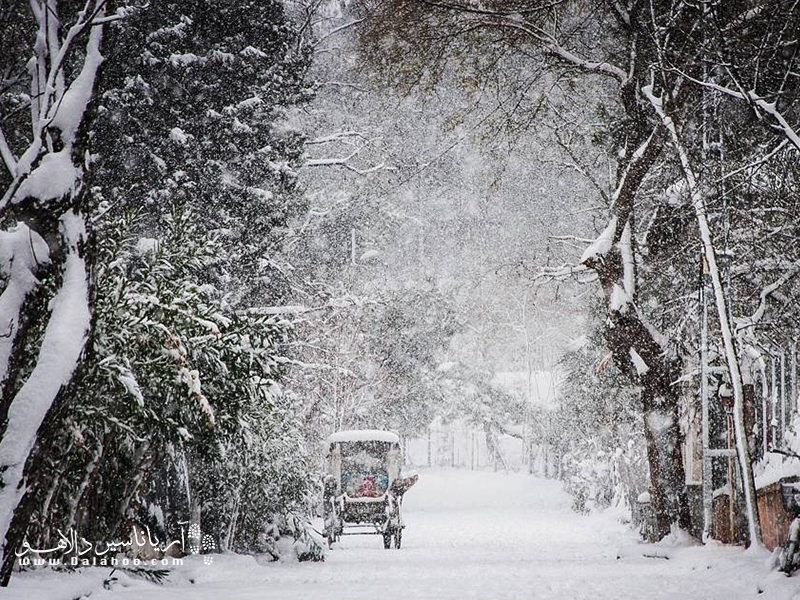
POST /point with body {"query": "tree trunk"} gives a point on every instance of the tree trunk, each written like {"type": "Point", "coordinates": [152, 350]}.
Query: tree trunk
{"type": "Point", "coordinates": [660, 400]}
{"type": "Point", "coordinates": [59, 355]}
{"type": "Point", "coordinates": [662, 431]}
{"type": "Point", "coordinates": [51, 206]}
{"type": "Point", "coordinates": [195, 524]}
{"type": "Point", "coordinates": [635, 346]}
{"type": "Point", "coordinates": [38, 471]}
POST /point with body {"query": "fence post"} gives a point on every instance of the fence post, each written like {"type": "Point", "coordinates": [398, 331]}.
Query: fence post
{"type": "Point", "coordinates": [793, 403]}
{"type": "Point", "coordinates": [452, 445]}
{"type": "Point", "coordinates": [471, 437]}
{"type": "Point", "coordinates": [429, 445]}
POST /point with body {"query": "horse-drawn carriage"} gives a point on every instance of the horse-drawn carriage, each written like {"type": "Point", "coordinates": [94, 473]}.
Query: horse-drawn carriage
{"type": "Point", "coordinates": [364, 489]}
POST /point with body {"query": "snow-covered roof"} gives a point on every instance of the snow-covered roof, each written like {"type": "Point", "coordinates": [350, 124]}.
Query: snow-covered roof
{"type": "Point", "coordinates": [364, 435]}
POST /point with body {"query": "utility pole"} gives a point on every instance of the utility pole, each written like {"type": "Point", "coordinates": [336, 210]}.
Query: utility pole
{"type": "Point", "coordinates": [774, 422]}
{"type": "Point", "coordinates": [708, 498]}
{"type": "Point", "coordinates": [783, 396]}
{"type": "Point", "coordinates": [764, 414]}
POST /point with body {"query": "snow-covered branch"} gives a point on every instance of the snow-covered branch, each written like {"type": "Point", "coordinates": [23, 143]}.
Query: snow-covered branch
{"type": "Point", "coordinates": [337, 137]}
{"type": "Point", "coordinates": [345, 162]}
{"type": "Point", "coordinates": [551, 46]}
{"type": "Point", "coordinates": [759, 105]}
{"type": "Point", "coordinates": [760, 162]}
{"type": "Point", "coordinates": [55, 108]}
{"type": "Point", "coordinates": [515, 19]}
{"type": "Point", "coordinates": [566, 271]}
{"type": "Point", "coordinates": [336, 30]}
{"type": "Point", "coordinates": [766, 292]}
{"type": "Point", "coordinates": [6, 155]}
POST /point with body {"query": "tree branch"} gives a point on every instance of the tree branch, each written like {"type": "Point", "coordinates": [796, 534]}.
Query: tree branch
{"type": "Point", "coordinates": [6, 154]}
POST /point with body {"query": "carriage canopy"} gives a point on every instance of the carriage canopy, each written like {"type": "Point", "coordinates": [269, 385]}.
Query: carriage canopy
{"type": "Point", "coordinates": [364, 462]}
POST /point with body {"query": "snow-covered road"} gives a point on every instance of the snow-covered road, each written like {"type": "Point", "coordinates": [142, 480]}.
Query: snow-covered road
{"type": "Point", "coordinates": [477, 535]}
{"type": "Point", "coordinates": [482, 536]}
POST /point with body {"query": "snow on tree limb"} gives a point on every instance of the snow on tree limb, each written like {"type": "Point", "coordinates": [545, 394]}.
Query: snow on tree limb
{"type": "Point", "coordinates": [336, 30]}
{"type": "Point", "coordinates": [619, 299]}
{"type": "Point", "coordinates": [53, 107]}
{"type": "Point", "coordinates": [67, 113]}
{"type": "Point", "coordinates": [758, 103]}
{"type": "Point", "coordinates": [633, 172]}
{"type": "Point", "coordinates": [566, 271]}
{"type": "Point", "coordinates": [345, 163]}
{"type": "Point", "coordinates": [628, 263]}
{"type": "Point", "coordinates": [6, 155]}
{"type": "Point", "coordinates": [338, 136]}
{"type": "Point", "coordinates": [53, 178]}
{"type": "Point", "coordinates": [600, 247]}
{"type": "Point", "coordinates": [22, 252]}
{"type": "Point", "coordinates": [766, 292]}
{"type": "Point", "coordinates": [638, 362]}
{"type": "Point", "coordinates": [51, 92]}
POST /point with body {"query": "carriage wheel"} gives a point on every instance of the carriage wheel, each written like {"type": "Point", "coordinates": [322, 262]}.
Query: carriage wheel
{"type": "Point", "coordinates": [330, 533]}
{"type": "Point", "coordinates": [787, 559]}
{"type": "Point", "coordinates": [332, 527]}
{"type": "Point", "coordinates": [331, 538]}
{"type": "Point", "coordinates": [398, 537]}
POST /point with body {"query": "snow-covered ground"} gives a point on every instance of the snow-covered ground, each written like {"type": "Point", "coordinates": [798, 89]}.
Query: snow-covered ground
{"type": "Point", "coordinates": [469, 535]}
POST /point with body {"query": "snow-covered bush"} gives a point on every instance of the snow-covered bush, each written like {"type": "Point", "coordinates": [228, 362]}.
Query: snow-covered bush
{"type": "Point", "coordinates": [179, 404]}
{"type": "Point", "coordinates": [598, 478]}
{"type": "Point", "coordinates": [598, 429]}
{"type": "Point", "coordinates": [195, 140]}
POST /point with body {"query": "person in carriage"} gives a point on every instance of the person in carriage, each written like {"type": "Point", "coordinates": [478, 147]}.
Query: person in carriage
{"type": "Point", "coordinates": [364, 488]}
